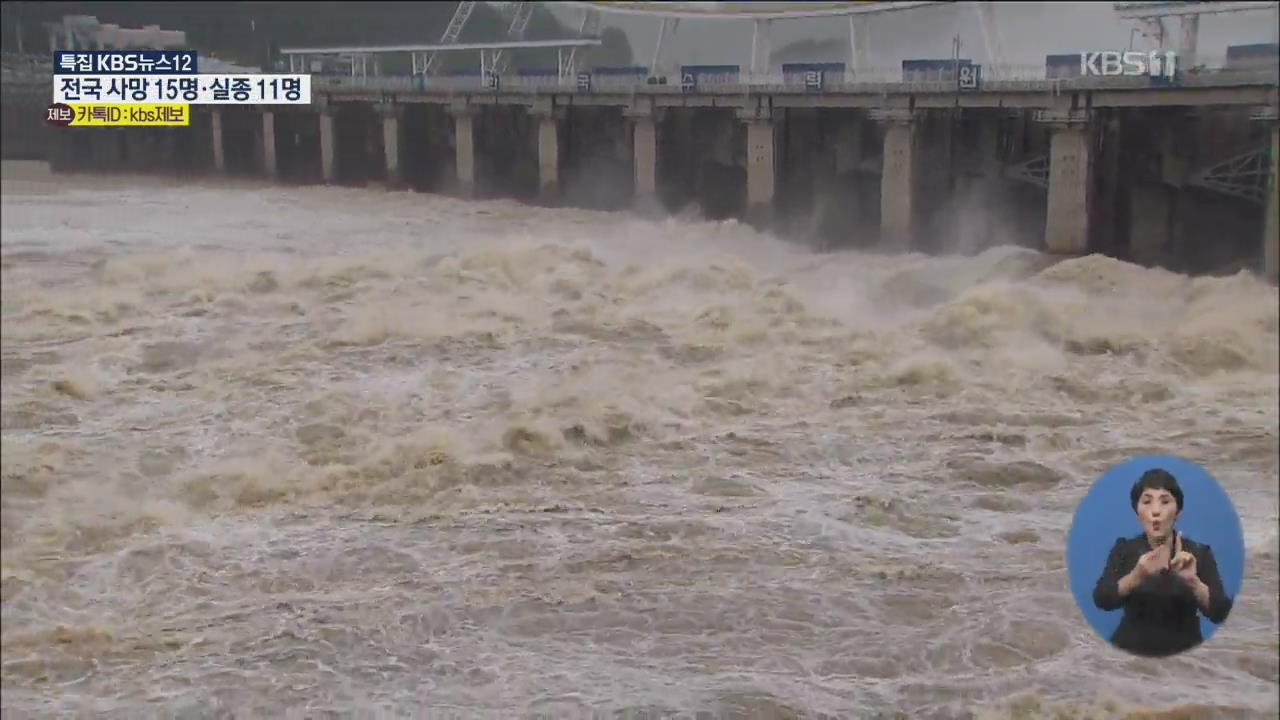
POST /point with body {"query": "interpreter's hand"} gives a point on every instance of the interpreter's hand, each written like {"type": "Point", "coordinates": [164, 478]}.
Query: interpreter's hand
{"type": "Point", "coordinates": [1184, 565]}
{"type": "Point", "coordinates": [1152, 562]}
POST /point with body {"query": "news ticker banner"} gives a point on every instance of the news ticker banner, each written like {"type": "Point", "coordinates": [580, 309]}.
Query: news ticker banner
{"type": "Point", "coordinates": [184, 89]}
{"type": "Point", "coordinates": [155, 88]}
{"type": "Point", "coordinates": [125, 62]}
{"type": "Point", "coordinates": [62, 115]}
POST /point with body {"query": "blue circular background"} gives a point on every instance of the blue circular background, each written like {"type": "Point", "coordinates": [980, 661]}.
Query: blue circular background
{"type": "Point", "coordinates": [1105, 514]}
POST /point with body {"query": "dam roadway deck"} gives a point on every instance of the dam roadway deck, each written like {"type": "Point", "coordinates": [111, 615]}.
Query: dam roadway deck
{"type": "Point", "coordinates": [1213, 88]}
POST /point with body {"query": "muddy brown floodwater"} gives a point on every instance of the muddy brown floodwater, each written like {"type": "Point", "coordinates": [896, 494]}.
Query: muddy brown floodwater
{"type": "Point", "coordinates": [320, 452]}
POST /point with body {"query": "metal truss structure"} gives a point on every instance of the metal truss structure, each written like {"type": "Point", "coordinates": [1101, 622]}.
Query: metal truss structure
{"type": "Point", "coordinates": [763, 14]}
{"type": "Point", "coordinates": [521, 12]}
{"type": "Point", "coordinates": [1034, 171]}
{"type": "Point", "coordinates": [590, 27]}
{"type": "Point", "coordinates": [1144, 10]}
{"type": "Point", "coordinates": [359, 57]}
{"type": "Point", "coordinates": [460, 16]}
{"type": "Point", "coordinates": [1150, 17]}
{"type": "Point", "coordinates": [1244, 176]}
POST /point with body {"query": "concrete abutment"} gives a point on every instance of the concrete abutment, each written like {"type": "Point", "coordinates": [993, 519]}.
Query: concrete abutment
{"type": "Point", "coordinates": [898, 178]}
{"type": "Point", "coordinates": [1067, 219]}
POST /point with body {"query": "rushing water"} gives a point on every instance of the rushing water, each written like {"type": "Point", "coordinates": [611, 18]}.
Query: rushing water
{"type": "Point", "coordinates": [340, 452]}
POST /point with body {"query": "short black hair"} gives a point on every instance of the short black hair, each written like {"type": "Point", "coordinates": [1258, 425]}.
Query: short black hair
{"type": "Point", "coordinates": [1156, 479]}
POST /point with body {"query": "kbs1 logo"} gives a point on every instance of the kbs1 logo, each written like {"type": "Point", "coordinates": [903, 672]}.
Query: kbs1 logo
{"type": "Point", "coordinates": [1114, 63]}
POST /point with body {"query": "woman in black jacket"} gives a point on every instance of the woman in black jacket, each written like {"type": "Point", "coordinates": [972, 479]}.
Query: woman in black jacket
{"type": "Point", "coordinates": [1160, 578]}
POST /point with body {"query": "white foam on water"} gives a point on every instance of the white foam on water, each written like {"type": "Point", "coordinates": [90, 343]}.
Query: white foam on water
{"type": "Point", "coordinates": [305, 449]}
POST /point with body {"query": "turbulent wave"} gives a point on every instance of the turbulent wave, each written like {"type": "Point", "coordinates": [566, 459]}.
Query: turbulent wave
{"type": "Point", "coordinates": [269, 448]}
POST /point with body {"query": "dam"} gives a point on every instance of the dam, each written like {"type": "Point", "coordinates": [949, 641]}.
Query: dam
{"type": "Point", "coordinates": [934, 158]}
{"type": "Point", "coordinates": [1076, 166]}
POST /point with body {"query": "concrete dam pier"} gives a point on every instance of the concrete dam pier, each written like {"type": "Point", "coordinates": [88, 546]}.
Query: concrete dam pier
{"type": "Point", "coordinates": [1181, 176]}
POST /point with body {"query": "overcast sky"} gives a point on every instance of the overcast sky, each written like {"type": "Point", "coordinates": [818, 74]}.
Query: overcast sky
{"type": "Point", "coordinates": [1028, 30]}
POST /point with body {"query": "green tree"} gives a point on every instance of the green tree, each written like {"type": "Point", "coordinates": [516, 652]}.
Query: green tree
{"type": "Point", "coordinates": [614, 50]}
{"type": "Point", "coordinates": [809, 50]}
